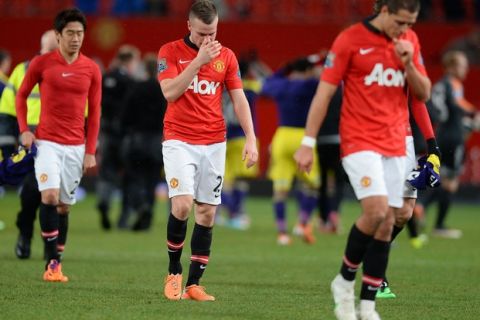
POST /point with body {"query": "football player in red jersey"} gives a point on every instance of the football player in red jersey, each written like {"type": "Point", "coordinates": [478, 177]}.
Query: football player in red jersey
{"type": "Point", "coordinates": [375, 59]}
{"type": "Point", "coordinates": [68, 81]}
{"type": "Point", "coordinates": [193, 72]}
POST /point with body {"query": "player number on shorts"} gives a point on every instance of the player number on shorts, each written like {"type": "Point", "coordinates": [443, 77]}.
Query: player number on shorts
{"type": "Point", "coordinates": [218, 188]}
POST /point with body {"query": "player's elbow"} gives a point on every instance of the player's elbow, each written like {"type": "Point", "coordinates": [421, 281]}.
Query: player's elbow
{"type": "Point", "coordinates": [170, 96]}
{"type": "Point", "coordinates": [423, 95]}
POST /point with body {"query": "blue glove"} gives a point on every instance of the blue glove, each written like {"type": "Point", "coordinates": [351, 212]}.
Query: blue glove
{"type": "Point", "coordinates": [427, 173]}
{"type": "Point", "coordinates": [14, 169]}
{"type": "Point", "coordinates": [433, 166]}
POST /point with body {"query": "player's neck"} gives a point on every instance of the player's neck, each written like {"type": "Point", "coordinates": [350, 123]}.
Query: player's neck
{"type": "Point", "coordinates": [377, 23]}
{"type": "Point", "coordinates": [69, 57]}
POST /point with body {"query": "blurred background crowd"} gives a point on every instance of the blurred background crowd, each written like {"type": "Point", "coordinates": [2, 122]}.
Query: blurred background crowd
{"type": "Point", "coordinates": [268, 36]}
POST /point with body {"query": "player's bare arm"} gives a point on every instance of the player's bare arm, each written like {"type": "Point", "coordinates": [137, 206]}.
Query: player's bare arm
{"type": "Point", "coordinates": [316, 115]}
{"type": "Point", "coordinates": [419, 83]}
{"type": "Point", "coordinates": [89, 162]}
{"type": "Point", "coordinates": [174, 88]}
{"type": "Point", "coordinates": [244, 116]}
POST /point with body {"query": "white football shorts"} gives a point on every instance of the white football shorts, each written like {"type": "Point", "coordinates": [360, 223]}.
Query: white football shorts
{"type": "Point", "coordinates": [59, 166]}
{"type": "Point", "coordinates": [372, 174]}
{"type": "Point", "coordinates": [197, 170]}
{"type": "Point", "coordinates": [410, 164]}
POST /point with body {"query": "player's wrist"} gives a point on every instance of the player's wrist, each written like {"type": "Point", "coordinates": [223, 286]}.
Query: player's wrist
{"type": "Point", "coordinates": [309, 142]}
{"type": "Point", "coordinates": [432, 147]}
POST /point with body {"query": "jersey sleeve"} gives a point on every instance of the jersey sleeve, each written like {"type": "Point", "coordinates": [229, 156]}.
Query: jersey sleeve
{"type": "Point", "coordinates": [93, 119]}
{"type": "Point", "coordinates": [422, 118]}
{"type": "Point", "coordinates": [232, 75]}
{"type": "Point", "coordinates": [337, 60]}
{"type": "Point", "coordinates": [32, 77]}
{"type": "Point", "coordinates": [166, 64]}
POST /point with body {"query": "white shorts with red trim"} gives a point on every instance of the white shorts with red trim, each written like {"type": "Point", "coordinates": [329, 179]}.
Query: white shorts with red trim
{"type": "Point", "coordinates": [59, 166]}
{"type": "Point", "coordinates": [372, 174]}
{"type": "Point", "coordinates": [196, 170]}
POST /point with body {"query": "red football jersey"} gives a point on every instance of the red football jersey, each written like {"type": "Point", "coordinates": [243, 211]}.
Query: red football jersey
{"type": "Point", "coordinates": [196, 116]}
{"type": "Point", "coordinates": [375, 109]}
{"type": "Point", "coordinates": [64, 91]}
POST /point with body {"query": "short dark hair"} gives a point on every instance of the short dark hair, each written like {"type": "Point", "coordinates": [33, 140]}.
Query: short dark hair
{"type": "Point", "coordinates": [301, 64]}
{"type": "Point", "coordinates": [69, 15]}
{"type": "Point", "coordinates": [395, 5]}
{"type": "Point", "coordinates": [204, 10]}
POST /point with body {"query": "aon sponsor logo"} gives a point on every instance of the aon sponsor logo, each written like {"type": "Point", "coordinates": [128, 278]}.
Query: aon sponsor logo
{"type": "Point", "coordinates": [203, 86]}
{"type": "Point", "coordinates": [385, 77]}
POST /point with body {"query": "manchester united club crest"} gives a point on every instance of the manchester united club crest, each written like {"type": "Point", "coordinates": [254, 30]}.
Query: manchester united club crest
{"type": "Point", "coordinates": [173, 183]}
{"type": "Point", "coordinates": [43, 177]}
{"type": "Point", "coordinates": [366, 182]}
{"type": "Point", "coordinates": [219, 65]}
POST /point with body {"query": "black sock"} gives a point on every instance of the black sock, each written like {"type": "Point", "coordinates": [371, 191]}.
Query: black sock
{"type": "Point", "coordinates": [357, 244]}
{"type": "Point", "coordinates": [374, 266]}
{"type": "Point", "coordinates": [395, 232]}
{"type": "Point", "coordinates": [49, 226]}
{"type": "Point", "coordinates": [412, 227]}
{"type": "Point", "coordinates": [62, 232]}
{"type": "Point", "coordinates": [444, 201]}
{"type": "Point", "coordinates": [201, 242]}
{"type": "Point", "coordinates": [176, 232]}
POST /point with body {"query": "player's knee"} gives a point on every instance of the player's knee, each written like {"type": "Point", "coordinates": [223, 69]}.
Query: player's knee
{"type": "Point", "coordinates": [50, 197]}
{"type": "Point", "coordinates": [181, 206]}
{"type": "Point", "coordinates": [63, 209]}
{"type": "Point", "coordinates": [402, 215]}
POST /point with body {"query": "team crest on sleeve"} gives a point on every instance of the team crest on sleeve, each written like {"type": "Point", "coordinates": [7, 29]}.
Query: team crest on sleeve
{"type": "Point", "coordinates": [329, 60]}
{"type": "Point", "coordinates": [162, 65]}
{"type": "Point", "coordinates": [218, 65]}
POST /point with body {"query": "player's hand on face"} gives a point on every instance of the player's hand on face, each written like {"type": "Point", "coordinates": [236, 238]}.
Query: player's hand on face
{"type": "Point", "coordinates": [304, 158]}
{"type": "Point", "coordinates": [27, 138]}
{"type": "Point", "coordinates": [88, 162]}
{"type": "Point", "coordinates": [209, 50]}
{"type": "Point", "coordinates": [250, 153]}
{"type": "Point", "coordinates": [404, 50]}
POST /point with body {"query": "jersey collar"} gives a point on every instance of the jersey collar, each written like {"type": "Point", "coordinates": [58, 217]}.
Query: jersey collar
{"type": "Point", "coordinates": [371, 28]}
{"type": "Point", "coordinates": [189, 43]}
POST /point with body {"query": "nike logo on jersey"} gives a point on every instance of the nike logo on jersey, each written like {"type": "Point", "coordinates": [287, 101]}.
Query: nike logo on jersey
{"type": "Point", "coordinates": [203, 267]}
{"type": "Point", "coordinates": [184, 61]}
{"type": "Point", "coordinates": [67, 74]}
{"type": "Point", "coordinates": [366, 51]}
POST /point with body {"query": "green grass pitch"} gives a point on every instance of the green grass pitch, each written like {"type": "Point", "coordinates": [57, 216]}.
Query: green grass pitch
{"type": "Point", "coordinates": [119, 275]}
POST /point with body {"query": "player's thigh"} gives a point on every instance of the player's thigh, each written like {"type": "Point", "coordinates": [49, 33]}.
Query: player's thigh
{"type": "Point", "coordinates": [71, 172]}
{"type": "Point", "coordinates": [48, 164]}
{"type": "Point", "coordinates": [209, 175]}
{"type": "Point", "coordinates": [180, 161]}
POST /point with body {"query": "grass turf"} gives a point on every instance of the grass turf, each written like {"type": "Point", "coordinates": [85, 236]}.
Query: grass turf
{"type": "Point", "coordinates": [119, 275]}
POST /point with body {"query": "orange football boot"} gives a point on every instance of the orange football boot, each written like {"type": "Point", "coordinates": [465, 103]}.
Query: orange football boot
{"type": "Point", "coordinates": [54, 272]}
{"type": "Point", "coordinates": [173, 286]}
{"type": "Point", "coordinates": [197, 293]}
